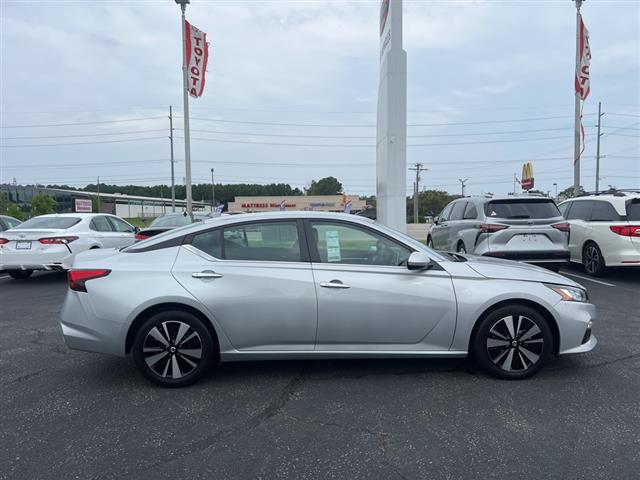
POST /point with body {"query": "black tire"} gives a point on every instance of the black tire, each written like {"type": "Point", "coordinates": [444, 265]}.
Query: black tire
{"type": "Point", "coordinates": [20, 274]}
{"type": "Point", "coordinates": [460, 248]}
{"type": "Point", "coordinates": [429, 242]}
{"type": "Point", "coordinates": [180, 368]}
{"type": "Point", "coordinates": [493, 343]}
{"type": "Point", "coordinates": [592, 260]}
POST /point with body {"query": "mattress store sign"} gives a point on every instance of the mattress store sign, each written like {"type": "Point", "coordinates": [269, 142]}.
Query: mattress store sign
{"type": "Point", "coordinates": [83, 205]}
{"type": "Point", "coordinates": [267, 205]}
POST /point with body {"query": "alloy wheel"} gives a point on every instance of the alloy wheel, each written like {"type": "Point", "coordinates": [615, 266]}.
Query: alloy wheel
{"type": "Point", "coordinates": [591, 259]}
{"type": "Point", "coordinates": [515, 343]}
{"type": "Point", "coordinates": [172, 349]}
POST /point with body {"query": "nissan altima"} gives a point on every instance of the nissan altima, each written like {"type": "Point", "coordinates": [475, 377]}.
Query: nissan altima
{"type": "Point", "coordinates": [294, 285]}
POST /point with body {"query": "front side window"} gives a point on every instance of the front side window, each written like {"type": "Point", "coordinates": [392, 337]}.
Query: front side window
{"type": "Point", "coordinates": [100, 224]}
{"type": "Point", "coordinates": [458, 211]}
{"type": "Point", "coordinates": [341, 243]}
{"type": "Point", "coordinates": [580, 210]}
{"type": "Point", "coordinates": [120, 225]}
{"type": "Point", "coordinates": [444, 215]}
{"type": "Point", "coordinates": [263, 241]}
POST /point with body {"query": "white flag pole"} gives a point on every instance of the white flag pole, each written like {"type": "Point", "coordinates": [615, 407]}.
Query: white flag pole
{"type": "Point", "coordinates": [185, 88]}
{"type": "Point", "coordinates": [576, 144]}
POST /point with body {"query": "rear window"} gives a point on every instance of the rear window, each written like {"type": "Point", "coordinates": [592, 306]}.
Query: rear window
{"type": "Point", "coordinates": [633, 210]}
{"type": "Point", "coordinates": [172, 221]}
{"type": "Point", "coordinates": [50, 222]}
{"type": "Point", "coordinates": [513, 209]}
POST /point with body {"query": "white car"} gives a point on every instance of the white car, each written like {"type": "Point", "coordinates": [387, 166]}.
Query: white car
{"type": "Point", "coordinates": [605, 230]}
{"type": "Point", "coordinates": [51, 242]}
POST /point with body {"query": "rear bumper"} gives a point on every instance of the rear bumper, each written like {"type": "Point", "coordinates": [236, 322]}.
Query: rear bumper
{"type": "Point", "coordinates": [561, 256]}
{"type": "Point", "coordinates": [36, 261]}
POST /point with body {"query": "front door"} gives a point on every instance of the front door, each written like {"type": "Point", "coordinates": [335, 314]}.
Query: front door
{"type": "Point", "coordinates": [440, 230]}
{"type": "Point", "coordinates": [256, 280]}
{"type": "Point", "coordinates": [367, 297]}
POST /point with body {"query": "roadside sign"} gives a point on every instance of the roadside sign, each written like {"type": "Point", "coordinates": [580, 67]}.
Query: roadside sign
{"type": "Point", "coordinates": [83, 205]}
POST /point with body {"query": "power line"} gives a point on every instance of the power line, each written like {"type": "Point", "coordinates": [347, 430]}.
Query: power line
{"type": "Point", "coordinates": [81, 143]}
{"type": "Point", "coordinates": [83, 135]}
{"type": "Point", "coordinates": [81, 123]}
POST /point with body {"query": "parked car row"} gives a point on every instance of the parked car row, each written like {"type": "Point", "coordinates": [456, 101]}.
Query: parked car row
{"type": "Point", "coordinates": [598, 231]}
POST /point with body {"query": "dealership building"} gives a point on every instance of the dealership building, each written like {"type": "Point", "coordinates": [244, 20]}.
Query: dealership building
{"type": "Point", "coordinates": [320, 203]}
{"type": "Point", "coordinates": [69, 201]}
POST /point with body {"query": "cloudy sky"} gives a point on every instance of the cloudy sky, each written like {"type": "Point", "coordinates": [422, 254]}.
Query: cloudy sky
{"type": "Point", "coordinates": [292, 89]}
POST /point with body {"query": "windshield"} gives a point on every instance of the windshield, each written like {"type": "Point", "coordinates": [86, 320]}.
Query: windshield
{"type": "Point", "coordinates": [633, 210]}
{"type": "Point", "coordinates": [521, 209]}
{"type": "Point", "coordinates": [49, 222]}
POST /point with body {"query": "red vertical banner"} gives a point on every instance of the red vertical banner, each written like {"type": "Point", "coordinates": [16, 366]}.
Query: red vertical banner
{"type": "Point", "coordinates": [582, 82]}
{"type": "Point", "coordinates": [197, 58]}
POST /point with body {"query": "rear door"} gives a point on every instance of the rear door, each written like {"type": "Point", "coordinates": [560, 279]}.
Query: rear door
{"type": "Point", "coordinates": [103, 231]}
{"type": "Point", "coordinates": [255, 278]}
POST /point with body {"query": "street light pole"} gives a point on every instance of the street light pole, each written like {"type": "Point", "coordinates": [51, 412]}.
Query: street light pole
{"type": "Point", "coordinates": [185, 88]}
{"type": "Point", "coordinates": [213, 192]}
{"type": "Point", "coordinates": [598, 148]}
{"type": "Point", "coordinates": [462, 184]}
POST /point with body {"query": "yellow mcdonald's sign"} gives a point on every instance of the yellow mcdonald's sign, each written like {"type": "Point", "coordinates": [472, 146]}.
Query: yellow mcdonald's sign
{"type": "Point", "coordinates": [527, 176]}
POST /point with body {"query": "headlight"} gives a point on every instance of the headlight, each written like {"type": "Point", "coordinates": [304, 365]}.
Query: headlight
{"type": "Point", "coordinates": [570, 294]}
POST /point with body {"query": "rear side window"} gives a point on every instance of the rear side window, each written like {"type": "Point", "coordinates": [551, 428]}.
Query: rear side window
{"type": "Point", "coordinates": [100, 224]}
{"type": "Point", "coordinates": [120, 225]}
{"type": "Point", "coordinates": [633, 210]}
{"type": "Point", "coordinates": [604, 212]}
{"type": "Point", "coordinates": [514, 209]}
{"type": "Point", "coordinates": [50, 222]}
{"type": "Point", "coordinates": [580, 210]}
{"type": "Point", "coordinates": [458, 211]}
{"type": "Point", "coordinates": [264, 241]}
{"type": "Point", "coordinates": [209, 242]}
{"type": "Point", "coordinates": [470, 213]}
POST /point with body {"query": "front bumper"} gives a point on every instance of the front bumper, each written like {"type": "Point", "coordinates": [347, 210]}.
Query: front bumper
{"type": "Point", "coordinates": [575, 324]}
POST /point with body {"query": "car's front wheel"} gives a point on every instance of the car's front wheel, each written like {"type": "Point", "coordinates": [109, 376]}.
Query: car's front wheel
{"type": "Point", "coordinates": [20, 274]}
{"type": "Point", "coordinates": [513, 342]}
{"type": "Point", "coordinates": [174, 349]}
{"type": "Point", "coordinates": [429, 242]}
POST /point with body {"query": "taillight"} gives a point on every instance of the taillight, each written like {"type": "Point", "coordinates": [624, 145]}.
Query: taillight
{"type": "Point", "coordinates": [563, 227]}
{"type": "Point", "coordinates": [141, 236]}
{"type": "Point", "coordinates": [626, 230]}
{"type": "Point", "coordinates": [3, 241]}
{"type": "Point", "coordinates": [78, 278]}
{"type": "Point", "coordinates": [57, 240]}
{"type": "Point", "coordinates": [491, 227]}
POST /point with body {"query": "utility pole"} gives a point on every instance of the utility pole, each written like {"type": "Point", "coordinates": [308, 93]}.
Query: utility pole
{"type": "Point", "coordinates": [598, 147]}
{"type": "Point", "coordinates": [462, 184]}
{"type": "Point", "coordinates": [576, 134]}
{"type": "Point", "coordinates": [98, 184]}
{"type": "Point", "coordinates": [213, 192]}
{"type": "Point", "coordinates": [418, 167]}
{"type": "Point", "coordinates": [173, 172]}
{"type": "Point", "coordinates": [185, 100]}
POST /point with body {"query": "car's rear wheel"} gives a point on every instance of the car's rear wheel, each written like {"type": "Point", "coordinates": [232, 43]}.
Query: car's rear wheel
{"type": "Point", "coordinates": [592, 260]}
{"type": "Point", "coordinates": [513, 342]}
{"type": "Point", "coordinates": [20, 274]}
{"type": "Point", "coordinates": [173, 349]}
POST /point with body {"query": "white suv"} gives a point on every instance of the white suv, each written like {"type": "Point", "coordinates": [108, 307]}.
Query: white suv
{"type": "Point", "coordinates": [605, 230]}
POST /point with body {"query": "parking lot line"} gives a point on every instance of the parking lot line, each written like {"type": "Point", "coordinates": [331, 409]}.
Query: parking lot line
{"type": "Point", "coordinates": [589, 279]}
{"type": "Point", "coordinates": [4, 276]}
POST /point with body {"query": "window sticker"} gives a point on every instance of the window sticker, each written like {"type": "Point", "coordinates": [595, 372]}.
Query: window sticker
{"type": "Point", "coordinates": [333, 246]}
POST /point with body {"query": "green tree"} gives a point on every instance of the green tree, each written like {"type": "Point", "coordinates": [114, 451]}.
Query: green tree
{"type": "Point", "coordinates": [430, 203]}
{"type": "Point", "coordinates": [325, 186]}
{"type": "Point", "coordinates": [568, 192]}
{"type": "Point", "coordinates": [41, 204]}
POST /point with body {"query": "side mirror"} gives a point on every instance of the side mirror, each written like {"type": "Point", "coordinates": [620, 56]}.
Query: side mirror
{"type": "Point", "coordinates": [136, 229]}
{"type": "Point", "coordinates": [435, 220]}
{"type": "Point", "coordinates": [419, 261]}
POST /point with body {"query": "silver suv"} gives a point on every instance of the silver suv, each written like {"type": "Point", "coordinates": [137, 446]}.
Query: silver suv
{"type": "Point", "coordinates": [518, 227]}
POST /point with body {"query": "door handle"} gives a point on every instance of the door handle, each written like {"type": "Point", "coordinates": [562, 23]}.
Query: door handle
{"type": "Point", "coordinates": [206, 275]}
{"type": "Point", "coordinates": [334, 284]}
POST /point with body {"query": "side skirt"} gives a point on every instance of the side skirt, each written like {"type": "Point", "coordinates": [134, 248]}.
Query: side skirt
{"type": "Point", "coordinates": [238, 356]}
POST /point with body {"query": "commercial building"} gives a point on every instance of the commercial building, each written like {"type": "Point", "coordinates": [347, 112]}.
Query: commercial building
{"type": "Point", "coordinates": [68, 201]}
{"type": "Point", "coordinates": [322, 203]}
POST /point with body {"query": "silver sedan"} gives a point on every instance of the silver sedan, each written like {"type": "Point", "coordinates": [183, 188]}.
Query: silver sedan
{"type": "Point", "coordinates": [293, 285]}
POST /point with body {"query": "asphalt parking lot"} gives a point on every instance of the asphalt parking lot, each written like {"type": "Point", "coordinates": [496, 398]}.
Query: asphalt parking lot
{"type": "Point", "coordinates": [67, 414]}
